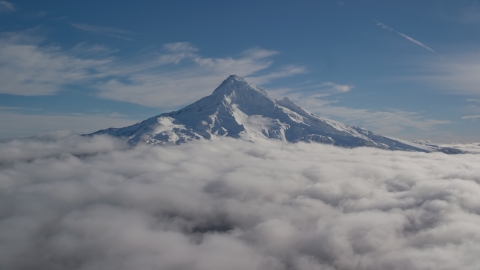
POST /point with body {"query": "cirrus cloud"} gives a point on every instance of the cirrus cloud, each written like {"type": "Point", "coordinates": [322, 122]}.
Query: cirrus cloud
{"type": "Point", "coordinates": [29, 70]}
{"type": "Point", "coordinates": [6, 6]}
{"type": "Point", "coordinates": [179, 75]}
{"type": "Point", "coordinates": [173, 76]}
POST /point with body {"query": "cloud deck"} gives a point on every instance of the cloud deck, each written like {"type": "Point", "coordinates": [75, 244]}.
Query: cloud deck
{"type": "Point", "coordinates": [92, 203]}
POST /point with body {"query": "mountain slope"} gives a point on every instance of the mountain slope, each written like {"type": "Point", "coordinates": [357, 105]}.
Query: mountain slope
{"type": "Point", "coordinates": [241, 110]}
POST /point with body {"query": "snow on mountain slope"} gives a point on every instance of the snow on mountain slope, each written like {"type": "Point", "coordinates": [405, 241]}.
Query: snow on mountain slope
{"type": "Point", "coordinates": [241, 110]}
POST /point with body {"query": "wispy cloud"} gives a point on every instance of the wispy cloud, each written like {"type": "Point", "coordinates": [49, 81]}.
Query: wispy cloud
{"type": "Point", "coordinates": [84, 48]}
{"type": "Point", "coordinates": [163, 82]}
{"type": "Point", "coordinates": [6, 6]}
{"type": "Point", "coordinates": [173, 76]}
{"type": "Point", "coordinates": [456, 74]}
{"type": "Point", "coordinates": [310, 88]}
{"type": "Point", "coordinates": [461, 11]}
{"type": "Point", "coordinates": [16, 123]}
{"type": "Point", "coordinates": [471, 117]}
{"type": "Point", "coordinates": [388, 28]}
{"type": "Point", "coordinates": [29, 69]}
{"type": "Point", "coordinates": [284, 72]}
{"type": "Point", "coordinates": [109, 31]}
{"type": "Point", "coordinates": [342, 88]}
{"type": "Point", "coordinates": [320, 99]}
{"type": "Point", "coordinates": [394, 122]}
{"type": "Point", "coordinates": [36, 15]}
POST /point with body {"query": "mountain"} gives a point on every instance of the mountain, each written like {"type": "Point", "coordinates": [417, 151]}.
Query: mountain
{"type": "Point", "coordinates": [239, 109]}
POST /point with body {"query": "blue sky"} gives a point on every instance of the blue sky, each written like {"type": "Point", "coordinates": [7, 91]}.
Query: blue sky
{"type": "Point", "coordinates": [408, 69]}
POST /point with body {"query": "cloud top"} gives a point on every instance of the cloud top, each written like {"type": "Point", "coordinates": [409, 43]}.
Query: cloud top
{"type": "Point", "coordinates": [232, 204]}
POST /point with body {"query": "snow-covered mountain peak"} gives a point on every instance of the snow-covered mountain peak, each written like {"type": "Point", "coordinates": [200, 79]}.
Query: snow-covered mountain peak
{"type": "Point", "coordinates": [239, 109]}
{"type": "Point", "coordinates": [237, 85]}
{"type": "Point", "coordinates": [234, 78]}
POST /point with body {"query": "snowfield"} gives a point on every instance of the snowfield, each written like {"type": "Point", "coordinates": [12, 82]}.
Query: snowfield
{"type": "Point", "coordinates": [97, 203]}
{"type": "Point", "coordinates": [239, 109]}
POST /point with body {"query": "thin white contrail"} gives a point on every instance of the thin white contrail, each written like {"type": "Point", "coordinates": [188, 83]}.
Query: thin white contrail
{"type": "Point", "coordinates": [386, 27]}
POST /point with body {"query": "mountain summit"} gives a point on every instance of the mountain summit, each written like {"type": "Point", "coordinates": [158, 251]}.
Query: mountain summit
{"type": "Point", "coordinates": [239, 109]}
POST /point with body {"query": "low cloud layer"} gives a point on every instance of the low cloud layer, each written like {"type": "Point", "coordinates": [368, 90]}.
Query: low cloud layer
{"type": "Point", "coordinates": [92, 203]}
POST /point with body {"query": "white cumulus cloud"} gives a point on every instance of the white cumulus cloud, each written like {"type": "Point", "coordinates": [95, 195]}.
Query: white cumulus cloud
{"type": "Point", "coordinates": [91, 203]}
